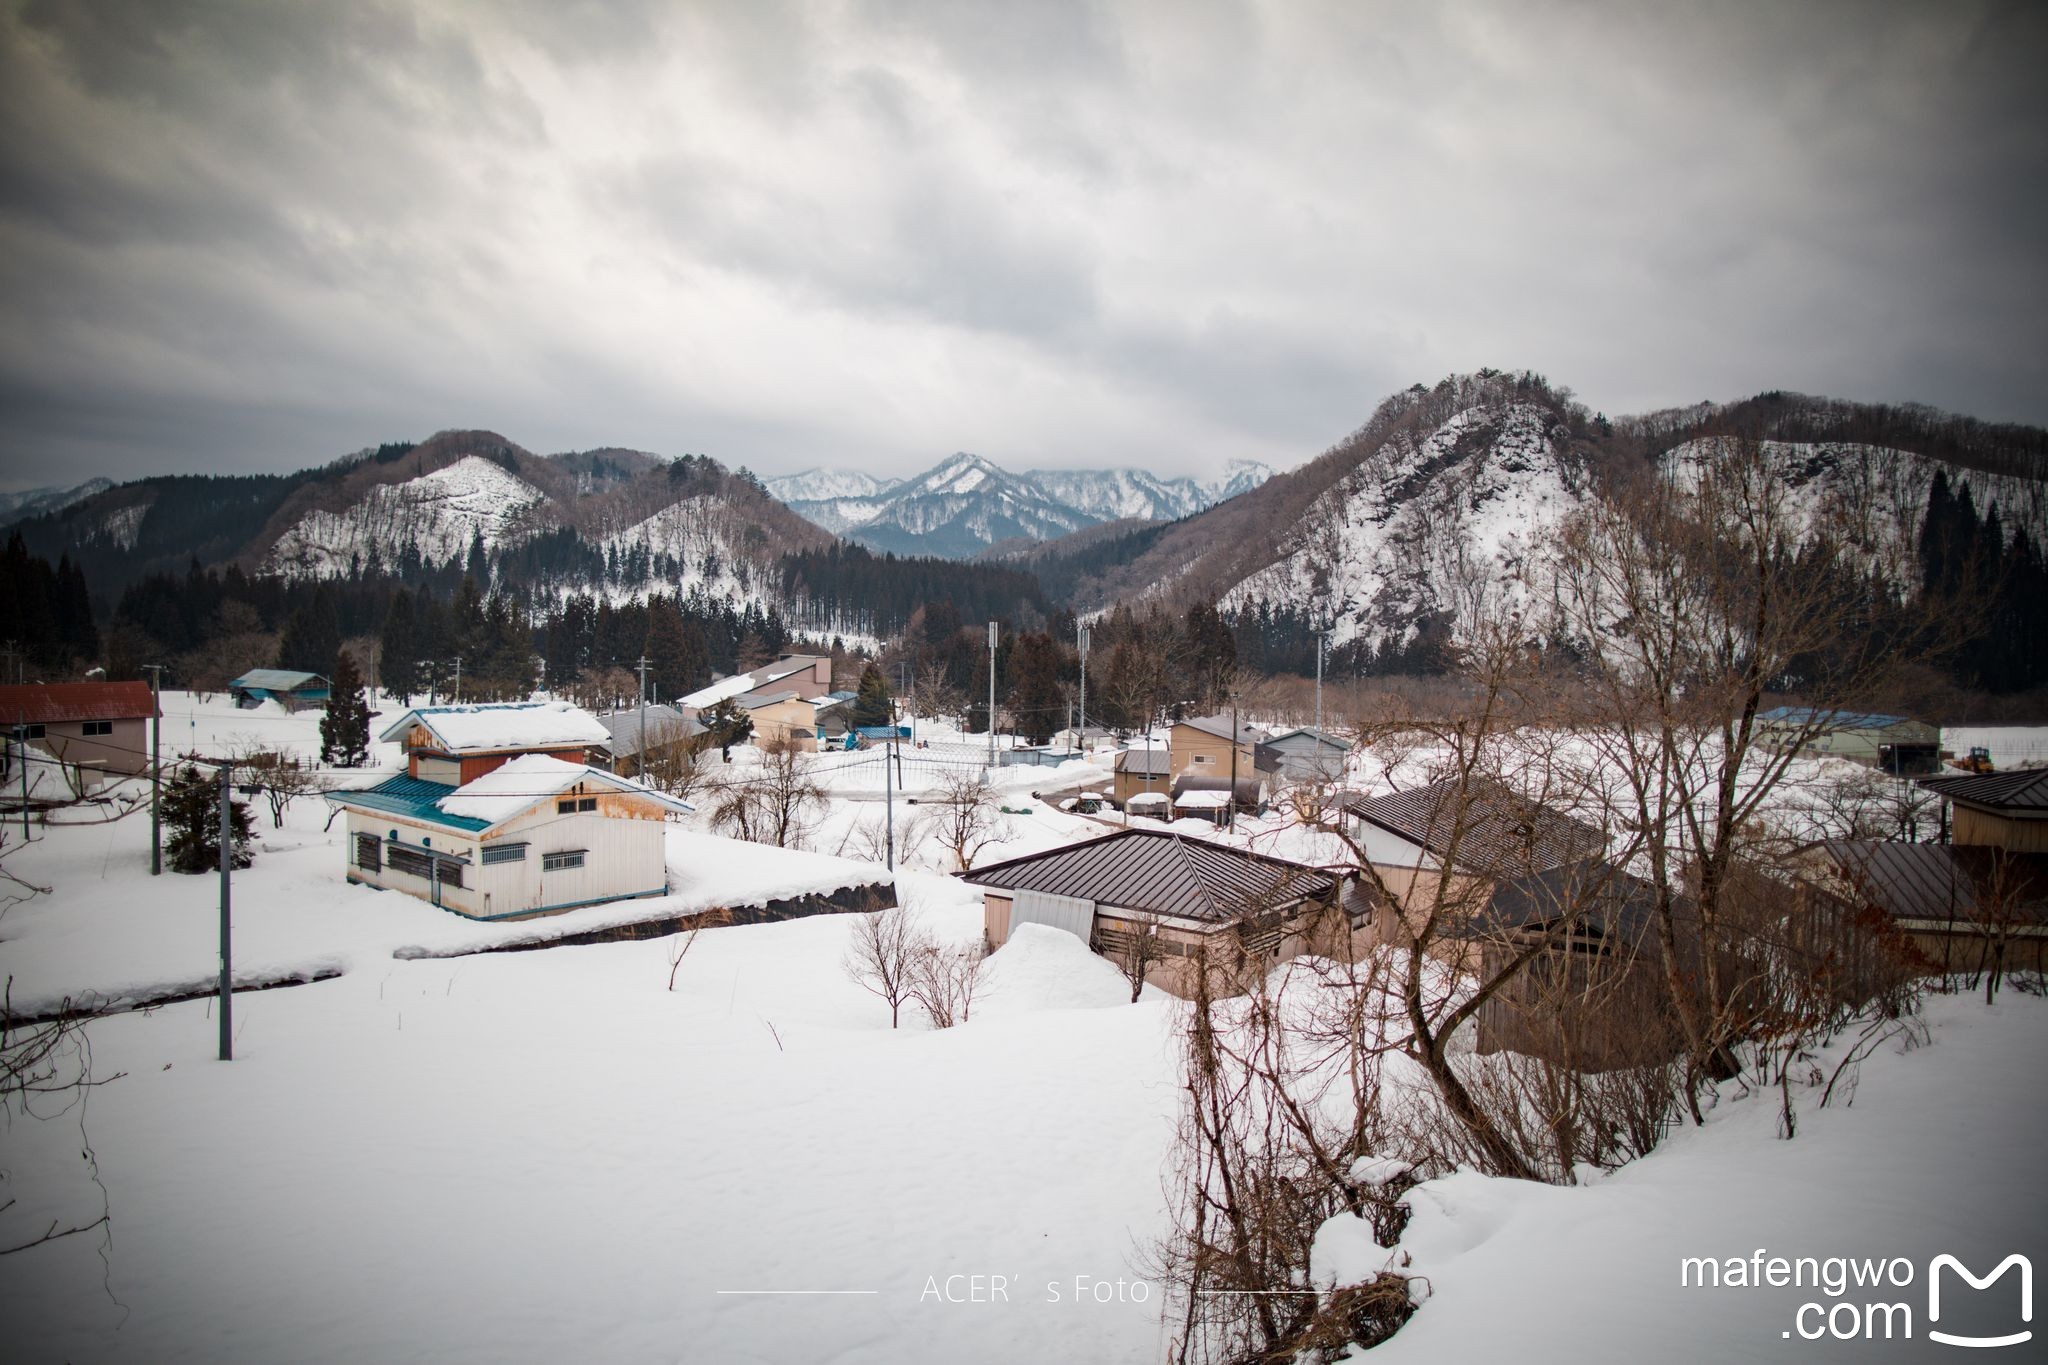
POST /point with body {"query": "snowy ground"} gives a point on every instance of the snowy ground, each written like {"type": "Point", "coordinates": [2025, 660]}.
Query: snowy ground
{"type": "Point", "coordinates": [2011, 746]}
{"type": "Point", "coordinates": [547, 1155]}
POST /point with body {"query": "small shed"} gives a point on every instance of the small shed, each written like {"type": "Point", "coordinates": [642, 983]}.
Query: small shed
{"type": "Point", "coordinates": [1143, 770]}
{"type": "Point", "coordinates": [293, 690]}
{"type": "Point", "coordinates": [1310, 755]}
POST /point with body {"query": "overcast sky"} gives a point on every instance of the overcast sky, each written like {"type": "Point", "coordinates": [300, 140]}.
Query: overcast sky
{"type": "Point", "coordinates": [258, 235]}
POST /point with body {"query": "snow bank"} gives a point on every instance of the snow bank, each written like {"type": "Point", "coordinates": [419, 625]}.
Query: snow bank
{"type": "Point", "coordinates": [1041, 968]}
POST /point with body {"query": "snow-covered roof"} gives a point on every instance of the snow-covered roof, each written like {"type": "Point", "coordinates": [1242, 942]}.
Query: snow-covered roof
{"type": "Point", "coordinates": [498, 795]}
{"type": "Point", "coordinates": [739, 684]}
{"type": "Point", "coordinates": [277, 679]}
{"type": "Point", "coordinates": [1203, 800]}
{"type": "Point", "coordinates": [488, 726]}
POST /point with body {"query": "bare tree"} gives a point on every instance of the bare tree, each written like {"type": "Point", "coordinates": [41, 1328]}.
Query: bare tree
{"type": "Point", "coordinates": [673, 761]}
{"type": "Point", "coordinates": [282, 778]}
{"type": "Point", "coordinates": [1690, 599]}
{"type": "Point", "coordinates": [944, 979]}
{"type": "Point", "coordinates": [883, 956]}
{"type": "Point", "coordinates": [963, 814]}
{"type": "Point", "coordinates": [932, 694]}
{"type": "Point", "coordinates": [775, 802]}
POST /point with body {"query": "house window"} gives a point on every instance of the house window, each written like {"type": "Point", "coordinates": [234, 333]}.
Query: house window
{"type": "Point", "coordinates": [1204, 760]}
{"type": "Point", "coordinates": [369, 853]}
{"type": "Point", "coordinates": [570, 805]}
{"type": "Point", "coordinates": [561, 862]}
{"type": "Point", "coordinates": [33, 731]}
{"type": "Point", "coordinates": [505, 853]}
{"type": "Point", "coordinates": [99, 727]}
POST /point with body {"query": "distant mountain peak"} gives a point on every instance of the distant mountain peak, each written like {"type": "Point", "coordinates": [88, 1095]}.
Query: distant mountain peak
{"type": "Point", "coordinates": [966, 502]}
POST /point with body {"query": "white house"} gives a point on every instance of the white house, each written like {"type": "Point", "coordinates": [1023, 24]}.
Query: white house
{"type": "Point", "coordinates": [499, 816]}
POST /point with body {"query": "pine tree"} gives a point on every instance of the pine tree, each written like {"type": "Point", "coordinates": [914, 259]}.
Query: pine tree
{"type": "Point", "coordinates": [676, 661]}
{"type": "Point", "coordinates": [399, 652]}
{"type": "Point", "coordinates": [312, 637]}
{"type": "Point", "coordinates": [345, 728]}
{"type": "Point", "coordinates": [726, 725]}
{"type": "Point", "coordinates": [871, 705]}
{"type": "Point", "coordinates": [192, 815]}
{"type": "Point", "coordinates": [1035, 696]}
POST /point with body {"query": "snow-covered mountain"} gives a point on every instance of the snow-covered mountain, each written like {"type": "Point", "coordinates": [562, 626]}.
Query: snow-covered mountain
{"type": "Point", "coordinates": [1394, 540]}
{"type": "Point", "coordinates": [827, 485]}
{"type": "Point", "coordinates": [434, 517]}
{"type": "Point", "coordinates": [965, 503]}
{"type": "Point", "coordinates": [34, 502]}
{"type": "Point", "coordinates": [1439, 506]}
{"type": "Point", "coordinates": [1116, 494]}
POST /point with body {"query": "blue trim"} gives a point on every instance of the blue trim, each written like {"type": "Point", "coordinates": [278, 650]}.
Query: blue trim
{"type": "Point", "coordinates": [661, 890]}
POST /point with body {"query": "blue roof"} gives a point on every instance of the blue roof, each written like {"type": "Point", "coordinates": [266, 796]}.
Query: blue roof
{"type": "Point", "coordinates": [1838, 720]}
{"type": "Point", "coordinates": [411, 797]}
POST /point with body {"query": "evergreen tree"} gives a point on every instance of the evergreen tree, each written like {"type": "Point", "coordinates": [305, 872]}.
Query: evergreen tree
{"type": "Point", "coordinates": [399, 652]}
{"type": "Point", "coordinates": [312, 637]}
{"type": "Point", "coordinates": [725, 725]}
{"type": "Point", "coordinates": [345, 728]}
{"type": "Point", "coordinates": [675, 653]}
{"type": "Point", "coordinates": [191, 806]}
{"type": "Point", "coordinates": [871, 705]}
{"type": "Point", "coordinates": [1036, 698]}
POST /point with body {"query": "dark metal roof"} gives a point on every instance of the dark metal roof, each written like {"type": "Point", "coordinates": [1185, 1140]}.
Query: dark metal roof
{"type": "Point", "coordinates": [1496, 830]}
{"type": "Point", "coordinates": [2024, 790]}
{"type": "Point", "coordinates": [1606, 902]}
{"type": "Point", "coordinates": [1162, 873]}
{"type": "Point", "coordinates": [42, 703]}
{"type": "Point", "coordinates": [1156, 762]}
{"type": "Point", "coordinates": [1939, 881]}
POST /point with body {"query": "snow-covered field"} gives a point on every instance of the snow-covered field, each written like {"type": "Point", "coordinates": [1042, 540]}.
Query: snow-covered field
{"type": "Point", "coordinates": [549, 1155]}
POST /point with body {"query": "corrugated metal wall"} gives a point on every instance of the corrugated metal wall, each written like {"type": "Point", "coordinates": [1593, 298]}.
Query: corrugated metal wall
{"type": "Point", "coordinates": [1071, 913]}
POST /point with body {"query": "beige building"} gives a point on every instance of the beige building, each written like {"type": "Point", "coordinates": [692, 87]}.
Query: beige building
{"type": "Point", "coordinates": [1158, 903]}
{"type": "Point", "coordinates": [99, 731]}
{"type": "Point", "coordinates": [1202, 746]}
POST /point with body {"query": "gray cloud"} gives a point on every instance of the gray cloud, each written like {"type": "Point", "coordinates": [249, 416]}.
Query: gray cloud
{"type": "Point", "coordinates": [255, 235]}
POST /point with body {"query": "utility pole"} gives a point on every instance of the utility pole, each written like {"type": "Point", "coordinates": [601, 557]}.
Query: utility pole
{"type": "Point", "coordinates": [156, 769]}
{"type": "Point", "coordinates": [1319, 706]}
{"type": "Point", "coordinates": [640, 764]}
{"type": "Point", "coordinates": [1081, 633]}
{"type": "Point", "coordinates": [21, 757]}
{"type": "Point", "coordinates": [889, 801]}
{"type": "Point", "coordinates": [433, 668]}
{"type": "Point", "coordinates": [991, 696]}
{"type": "Point", "coordinates": [458, 680]}
{"type": "Point", "coordinates": [1233, 762]}
{"type": "Point", "coordinates": [227, 860]}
